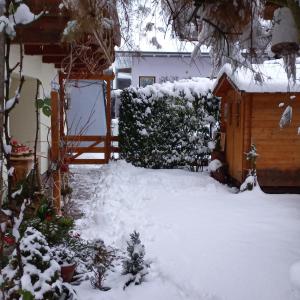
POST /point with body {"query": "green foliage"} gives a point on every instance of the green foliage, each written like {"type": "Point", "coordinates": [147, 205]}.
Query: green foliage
{"type": "Point", "coordinates": [63, 255]}
{"type": "Point", "coordinates": [44, 105]}
{"type": "Point", "coordinates": [166, 130]}
{"type": "Point", "coordinates": [54, 228]}
{"type": "Point", "coordinates": [26, 295]}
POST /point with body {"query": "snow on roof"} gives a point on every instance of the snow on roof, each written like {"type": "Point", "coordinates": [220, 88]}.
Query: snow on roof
{"type": "Point", "coordinates": [273, 74]}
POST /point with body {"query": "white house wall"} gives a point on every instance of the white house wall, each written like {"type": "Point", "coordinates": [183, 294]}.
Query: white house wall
{"type": "Point", "coordinates": [33, 68]}
{"type": "Point", "coordinates": [169, 67]}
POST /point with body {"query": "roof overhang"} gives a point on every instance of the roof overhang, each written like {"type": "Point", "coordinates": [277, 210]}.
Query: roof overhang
{"type": "Point", "coordinates": [223, 84]}
{"type": "Point", "coordinates": [44, 37]}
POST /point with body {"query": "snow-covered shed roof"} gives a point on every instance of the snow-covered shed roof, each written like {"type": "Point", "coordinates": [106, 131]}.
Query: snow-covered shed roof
{"type": "Point", "coordinates": [273, 75]}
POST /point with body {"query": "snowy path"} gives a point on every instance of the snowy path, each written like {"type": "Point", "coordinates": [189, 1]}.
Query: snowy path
{"type": "Point", "coordinates": [205, 242]}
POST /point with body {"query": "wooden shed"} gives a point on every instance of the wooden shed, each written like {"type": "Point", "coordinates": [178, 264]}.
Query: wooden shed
{"type": "Point", "coordinates": [250, 114]}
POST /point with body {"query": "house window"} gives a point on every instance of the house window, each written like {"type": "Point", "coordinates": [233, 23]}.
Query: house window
{"type": "Point", "coordinates": [146, 80]}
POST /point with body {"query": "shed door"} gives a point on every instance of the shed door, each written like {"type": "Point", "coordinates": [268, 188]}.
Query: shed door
{"type": "Point", "coordinates": [234, 139]}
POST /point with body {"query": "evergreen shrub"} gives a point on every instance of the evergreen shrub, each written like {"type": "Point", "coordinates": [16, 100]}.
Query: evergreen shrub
{"type": "Point", "coordinates": [167, 125]}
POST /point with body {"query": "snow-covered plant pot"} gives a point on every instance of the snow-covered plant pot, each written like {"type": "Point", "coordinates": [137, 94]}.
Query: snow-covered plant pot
{"type": "Point", "coordinates": [285, 37]}
{"type": "Point", "coordinates": [65, 258]}
{"type": "Point", "coordinates": [67, 272]}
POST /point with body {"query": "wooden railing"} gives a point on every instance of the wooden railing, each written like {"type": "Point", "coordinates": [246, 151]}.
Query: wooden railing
{"type": "Point", "coordinates": [73, 150]}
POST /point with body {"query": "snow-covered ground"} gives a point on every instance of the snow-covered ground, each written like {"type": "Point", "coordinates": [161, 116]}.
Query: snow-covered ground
{"type": "Point", "coordinates": [205, 242]}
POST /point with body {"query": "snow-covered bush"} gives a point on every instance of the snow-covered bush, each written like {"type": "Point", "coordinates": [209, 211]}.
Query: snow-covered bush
{"type": "Point", "coordinates": [251, 179]}
{"type": "Point", "coordinates": [63, 255]}
{"type": "Point", "coordinates": [134, 266]}
{"type": "Point", "coordinates": [167, 125]}
{"type": "Point", "coordinates": [34, 272]}
{"type": "Point", "coordinates": [102, 261]}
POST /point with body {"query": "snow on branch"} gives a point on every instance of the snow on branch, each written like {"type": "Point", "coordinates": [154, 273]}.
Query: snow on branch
{"type": "Point", "coordinates": [18, 220]}
{"type": "Point", "coordinates": [21, 16]}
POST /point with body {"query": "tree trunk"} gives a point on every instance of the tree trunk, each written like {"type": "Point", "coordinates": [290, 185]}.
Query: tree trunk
{"type": "Point", "coordinates": [2, 87]}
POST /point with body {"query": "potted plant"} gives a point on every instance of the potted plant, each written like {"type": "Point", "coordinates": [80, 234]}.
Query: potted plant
{"type": "Point", "coordinates": [21, 160]}
{"type": "Point", "coordinates": [65, 258]}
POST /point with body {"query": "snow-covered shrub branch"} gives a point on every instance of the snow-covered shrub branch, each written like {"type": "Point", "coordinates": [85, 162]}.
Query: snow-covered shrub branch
{"type": "Point", "coordinates": [239, 32]}
{"type": "Point", "coordinates": [167, 125]}
{"type": "Point", "coordinates": [251, 179]}
{"type": "Point", "coordinates": [134, 266]}
{"type": "Point", "coordinates": [40, 274]}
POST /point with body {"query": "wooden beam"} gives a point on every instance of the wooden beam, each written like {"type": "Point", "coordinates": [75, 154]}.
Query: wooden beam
{"type": "Point", "coordinates": [47, 23]}
{"type": "Point", "coordinates": [47, 50]}
{"type": "Point", "coordinates": [77, 67]}
{"type": "Point", "coordinates": [55, 152]}
{"type": "Point", "coordinates": [51, 6]}
{"type": "Point", "coordinates": [54, 59]}
{"type": "Point", "coordinates": [86, 161]}
{"type": "Point", "coordinates": [89, 76]}
{"type": "Point", "coordinates": [27, 36]}
{"type": "Point", "coordinates": [91, 150]}
{"type": "Point", "coordinates": [83, 138]}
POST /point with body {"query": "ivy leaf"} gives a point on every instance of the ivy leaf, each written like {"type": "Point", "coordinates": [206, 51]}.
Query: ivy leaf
{"type": "Point", "coordinates": [47, 101]}
{"type": "Point", "coordinates": [47, 110]}
{"type": "Point", "coordinates": [42, 211]}
{"type": "Point", "coordinates": [27, 295]}
{"type": "Point", "coordinates": [39, 103]}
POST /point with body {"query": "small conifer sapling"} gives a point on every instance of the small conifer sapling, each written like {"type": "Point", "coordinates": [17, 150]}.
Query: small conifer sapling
{"type": "Point", "coordinates": [134, 265]}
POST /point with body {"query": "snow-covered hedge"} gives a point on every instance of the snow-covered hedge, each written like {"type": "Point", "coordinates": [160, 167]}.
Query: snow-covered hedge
{"type": "Point", "coordinates": [167, 125]}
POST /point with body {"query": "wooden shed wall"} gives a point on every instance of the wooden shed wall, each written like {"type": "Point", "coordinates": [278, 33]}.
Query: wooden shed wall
{"type": "Point", "coordinates": [234, 123]}
{"type": "Point", "coordinates": [278, 163]}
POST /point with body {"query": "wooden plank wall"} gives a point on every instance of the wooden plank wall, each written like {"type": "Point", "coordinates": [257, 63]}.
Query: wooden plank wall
{"type": "Point", "coordinates": [279, 149]}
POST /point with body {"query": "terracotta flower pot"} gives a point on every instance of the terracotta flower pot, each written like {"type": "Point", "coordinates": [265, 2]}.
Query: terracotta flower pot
{"type": "Point", "coordinates": [67, 272]}
{"type": "Point", "coordinates": [269, 9]}
{"type": "Point", "coordinates": [22, 165]}
{"type": "Point", "coordinates": [220, 155]}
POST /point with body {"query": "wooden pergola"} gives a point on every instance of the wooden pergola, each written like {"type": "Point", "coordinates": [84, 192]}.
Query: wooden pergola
{"type": "Point", "coordinates": [43, 37]}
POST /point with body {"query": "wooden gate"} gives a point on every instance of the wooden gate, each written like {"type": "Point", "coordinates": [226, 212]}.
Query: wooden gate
{"type": "Point", "coordinates": [66, 149]}
{"type": "Point", "coordinates": [73, 146]}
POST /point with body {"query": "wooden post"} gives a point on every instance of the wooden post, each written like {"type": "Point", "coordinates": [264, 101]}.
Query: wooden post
{"type": "Point", "coordinates": [55, 151]}
{"type": "Point", "coordinates": [108, 121]}
{"type": "Point", "coordinates": [62, 100]}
